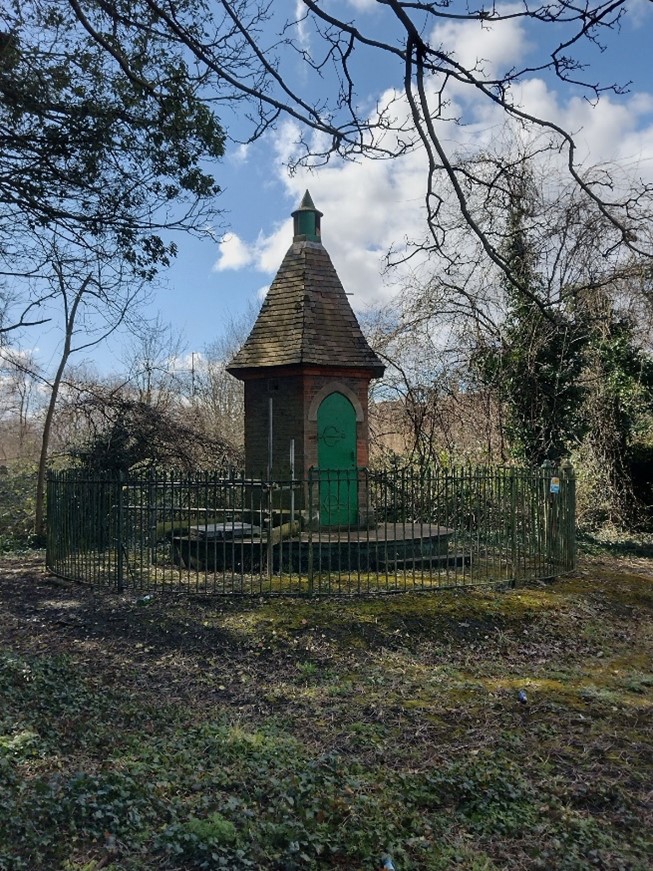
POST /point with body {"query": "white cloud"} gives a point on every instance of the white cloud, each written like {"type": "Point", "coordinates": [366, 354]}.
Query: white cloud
{"type": "Point", "coordinates": [187, 362]}
{"type": "Point", "coordinates": [234, 253]}
{"type": "Point", "coordinates": [302, 29]}
{"type": "Point", "coordinates": [239, 154]}
{"type": "Point", "coordinates": [285, 141]}
{"type": "Point", "coordinates": [363, 206]}
{"type": "Point", "coordinates": [370, 206]}
{"type": "Point", "coordinates": [363, 5]}
{"type": "Point", "coordinates": [19, 356]}
{"type": "Point", "coordinates": [264, 254]}
{"type": "Point", "coordinates": [609, 130]}
{"type": "Point", "coordinates": [489, 47]}
{"type": "Point", "coordinates": [640, 12]}
{"type": "Point", "coordinates": [271, 249]}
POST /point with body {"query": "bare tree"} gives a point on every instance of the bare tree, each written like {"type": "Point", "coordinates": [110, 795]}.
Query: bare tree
{"type": "Point", "coordinates": [111, 429]}
{"type": "Point", "coordinates": [194, 386]}
{"type": "Point", "coordinates": [217, 402]}
{"type": "Point", "coordinates": [217, 398]}
{"type": "Point", "coordinates": [156, 370]}
{"type": "Point", "coordinates": [250, 54]}
{"type": "Point", "coordinates": [422, 411]}
{"type": "Point", "coordinates": [93, 298]}
{"type": "Point", "coordinates": [566, 367]}
{"type": "Point", "coordinates": [22, 391]}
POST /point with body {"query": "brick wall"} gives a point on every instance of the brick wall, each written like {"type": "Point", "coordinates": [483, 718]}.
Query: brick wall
{"type": "Point", "coordinates": [291, 397]}
{"type": "Point", "coordinates": [287, 423]}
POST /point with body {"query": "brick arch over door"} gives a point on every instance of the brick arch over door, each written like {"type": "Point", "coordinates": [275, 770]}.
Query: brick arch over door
{"type": "Point", "coordinates": [336, 387]}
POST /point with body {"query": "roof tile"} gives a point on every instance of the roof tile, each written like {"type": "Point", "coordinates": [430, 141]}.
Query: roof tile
{"type": "Point", "coordinates": [306, 319]}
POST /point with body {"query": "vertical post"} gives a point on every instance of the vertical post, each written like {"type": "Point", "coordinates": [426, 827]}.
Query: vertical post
{"type": "Point", "coordinates": [513, 524]}
{"type": "Point", "coordinates": [120, 562]}
{"type": "Point", "coordinates": [49, 508]}
{"type": "Point", "coordinates": [291, 527]}
{"type": "Point", "coordinates": [292, 481]}
{"type": "Point", "coordinates": [270, 527]}
{"type": "Point", "coordinates": [269, 484]}
{"type": "Point", "coordinates": [547, 468]}
{"type": "Point", "coordinates": [310, 532]}
{"type": "Point", "coordinates": [270, 436]}
{"type": "Point", "coordinates": [151, 515]}
{"type": "Point", "coordinates": [568, 506]}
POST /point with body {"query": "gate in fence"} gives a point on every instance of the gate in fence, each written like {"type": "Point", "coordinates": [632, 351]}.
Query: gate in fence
{"type": "Point", "coordinates": [227, 534]}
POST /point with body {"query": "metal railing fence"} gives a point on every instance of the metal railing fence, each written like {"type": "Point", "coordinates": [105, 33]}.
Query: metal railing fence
{"type": "Point", "coordinates": [228, 534]}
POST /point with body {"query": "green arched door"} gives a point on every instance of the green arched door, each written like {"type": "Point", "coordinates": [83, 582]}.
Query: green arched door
{"type": "Point", "coordinates": [336, 459]}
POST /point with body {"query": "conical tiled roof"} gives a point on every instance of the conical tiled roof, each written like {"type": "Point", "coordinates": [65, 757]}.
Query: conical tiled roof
{"type": "Point", "coordinates": [306, 319]}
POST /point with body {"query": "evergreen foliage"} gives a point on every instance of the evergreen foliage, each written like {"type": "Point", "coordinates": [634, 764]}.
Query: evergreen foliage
{"type": "Point", "coordinates": [535, 361]}
{"type": "Point", "coordinates": [569, 368]}
{"type": "Point", "coordinates": [93, 156]}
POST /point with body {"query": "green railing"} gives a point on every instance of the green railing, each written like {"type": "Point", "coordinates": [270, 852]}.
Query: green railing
{"type": "Point", "coordinates": [228, 534]}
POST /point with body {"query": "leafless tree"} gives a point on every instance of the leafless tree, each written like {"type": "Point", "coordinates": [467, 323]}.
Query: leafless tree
{"type": "Point", "coordinates": [156, 370]}
{"type": "Point", "coordinates": [196, 385]}
{"type": "Point", "coordinates": [308, 68]}
{"type": "Point", "coordinates": [586, 347]}
{"type": "Point", "coordinates": [422, 410]}
{"type": "Point", "coordinates": [112, 429]}
{"type": "Point", "coordinates": [22, 393]}
{"type": "Point", "coordinates": [92, 297]}
{"type": "Point", "coordinates": [217, 398]}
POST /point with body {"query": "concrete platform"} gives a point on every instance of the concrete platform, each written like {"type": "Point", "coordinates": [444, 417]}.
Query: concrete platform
{"type": "Point", "coordinates": [243, 548]}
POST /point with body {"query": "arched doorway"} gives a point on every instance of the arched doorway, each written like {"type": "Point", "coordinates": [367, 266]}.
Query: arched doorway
{"type": "Point", "coordinates": [336, 459]}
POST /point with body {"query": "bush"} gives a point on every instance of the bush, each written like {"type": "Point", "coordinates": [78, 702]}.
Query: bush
{"type": "Point", "coordinates": [17, 505]}
{"type": "Point", "coordinates": [203, 842]}
{"type": "Point", "coordinates": [626, 505]}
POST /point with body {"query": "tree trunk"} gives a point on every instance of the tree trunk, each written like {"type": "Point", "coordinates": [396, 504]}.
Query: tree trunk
{"type": "Point", "coordinates": [39, 522]}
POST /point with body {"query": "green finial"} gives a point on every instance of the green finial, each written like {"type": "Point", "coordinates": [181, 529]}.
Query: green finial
{"type": "Point", "coordinates": [307, 221]}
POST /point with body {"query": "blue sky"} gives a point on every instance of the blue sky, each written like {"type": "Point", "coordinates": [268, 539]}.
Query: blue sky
{"type": "Point", "coordinates": [370, 205]}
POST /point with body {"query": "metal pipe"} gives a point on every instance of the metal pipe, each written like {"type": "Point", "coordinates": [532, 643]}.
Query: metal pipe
{"type": "Point", "coordinates": [270, 436]}
{"type": "Point", "coordinates": [292, 480]}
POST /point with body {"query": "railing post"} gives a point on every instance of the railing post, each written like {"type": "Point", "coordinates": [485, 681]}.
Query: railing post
{"type": "Point", "coordinates": [267, 493]}
{"type": "Point", "coordinates": [513, 524]}
{"type": "Point", "coordinates": [309, 567]}
{"type": "Point", "coordinates": [568, 512]}
{"type": "Point", "coordinates": [546, 469]}
{"type": "Point", "coordinates": [120, 561]}
{"type": "Point", "coordinates": [49, 523]}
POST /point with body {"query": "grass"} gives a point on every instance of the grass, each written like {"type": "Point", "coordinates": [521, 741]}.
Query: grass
{"type": "Point", "coordinates": [193, 733]}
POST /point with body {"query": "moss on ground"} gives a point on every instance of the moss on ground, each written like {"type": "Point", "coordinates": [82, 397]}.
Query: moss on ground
{"type": "Point", "coordinates": [285, 734]}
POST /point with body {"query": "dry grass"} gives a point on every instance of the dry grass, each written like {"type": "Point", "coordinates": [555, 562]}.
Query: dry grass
{"type": "Point", "coordinates": [194, 733]}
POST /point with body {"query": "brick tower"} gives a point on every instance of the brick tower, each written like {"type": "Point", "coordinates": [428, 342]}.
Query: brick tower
{"type": "Point", "coordinates": [306, 366]}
